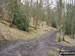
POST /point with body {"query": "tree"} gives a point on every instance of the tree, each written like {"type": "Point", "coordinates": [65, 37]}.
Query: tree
{"type": "Point", "coordinates": [17, 15]}
{"type": "Point", "coordinates": [60, 21]}
{"type": "Point", "coordinates": [68, 23]}
{"type": "Point", "coordinates": [11, 8]}
{"type": "Point", "coordinates": [1, 10]}
{"type": "Point", "coordinates": [1, 14]}
{"type": "Point", "coordinates": [73, 20]}
{"type": "Point", "coordinates": [48, 13]}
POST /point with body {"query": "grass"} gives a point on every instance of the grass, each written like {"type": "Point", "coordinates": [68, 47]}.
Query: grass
{"type": "Point", "coordinates": [67, 41]}
{"type": "Point", "coordinates": [2, 43]}
{"type": "Point", "coordinates": [52, 52]}
{"type": "Point", "coordinates": [70, 40]}
{"type": "Point", "coordinates": [16, 34]}
{"type": "Point", "coordinates": [13, 33]}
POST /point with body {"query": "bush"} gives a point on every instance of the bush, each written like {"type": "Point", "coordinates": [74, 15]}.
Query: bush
{"type": "Point", "coordinates": [21, 20]}
{"type": "Point", "coordinates": [68, 29]}
{"type": "Point", "coordinates": [53, 22]}
{"type": "Point", "coordinates": [69, 26]}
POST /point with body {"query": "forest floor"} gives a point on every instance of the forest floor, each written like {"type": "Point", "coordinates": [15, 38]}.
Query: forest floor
{"type": "Point", "coordinates": [13, 33]}
{"type": "Point", "coordinates": [42, 46]}
{"type": "Point", "coordinates": [45, 44]}
{"type": "Point", "coordinates": [70, 40]}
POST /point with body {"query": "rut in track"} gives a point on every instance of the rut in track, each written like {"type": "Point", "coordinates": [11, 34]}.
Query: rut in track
{"type": "Point", "coordinates": [35, 47]}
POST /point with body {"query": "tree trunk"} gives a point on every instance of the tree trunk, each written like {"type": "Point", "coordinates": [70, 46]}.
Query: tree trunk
{"type": "Point", "coordinates": [60, 22]}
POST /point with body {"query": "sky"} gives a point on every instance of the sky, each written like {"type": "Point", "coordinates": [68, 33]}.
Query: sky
{"type": "Point", "coordinates": [53, 2]}
{"type": "Point", "coordinates": [36, 0]}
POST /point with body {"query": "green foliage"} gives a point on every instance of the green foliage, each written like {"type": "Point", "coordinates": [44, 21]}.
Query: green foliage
{"type": "Point", "coordinates": [70, 20]}
{"type": "Point", "coordinates": [17, 15]}
{"type": "Point", "coordinates": [21, 20]}
{"type": "Point", "coordinates": [53, 22]}
{"type": "Point", "coordinates": [69, 28]}
{"type": "Point", "coordinates": [0, 12]}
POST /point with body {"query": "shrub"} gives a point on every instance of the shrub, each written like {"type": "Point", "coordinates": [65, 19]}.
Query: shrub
{"type": "Point", "coordinates": [21, 20]}
{"type": "Point", "coordinates": [53, 22]}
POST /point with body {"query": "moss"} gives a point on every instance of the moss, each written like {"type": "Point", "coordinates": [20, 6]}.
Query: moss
{"type": "Point", "coordinates": [51, 55]}
{"type": "Point", "coordinates": [2, 43]}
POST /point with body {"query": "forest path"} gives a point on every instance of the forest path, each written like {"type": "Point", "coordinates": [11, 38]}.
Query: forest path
{"type": "Point", "coordinates": [34, 47]}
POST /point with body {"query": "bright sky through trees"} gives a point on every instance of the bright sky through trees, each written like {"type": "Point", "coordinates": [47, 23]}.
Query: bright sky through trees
{"type": "Point", "coordinates": [53, 2]}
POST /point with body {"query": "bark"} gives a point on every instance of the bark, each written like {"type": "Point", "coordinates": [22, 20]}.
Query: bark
{"type": "Point", "coordinates": [60, 21]}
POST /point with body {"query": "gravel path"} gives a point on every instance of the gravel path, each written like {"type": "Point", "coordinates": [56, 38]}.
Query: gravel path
{"type": "Point", "coordinates": [35, 47]}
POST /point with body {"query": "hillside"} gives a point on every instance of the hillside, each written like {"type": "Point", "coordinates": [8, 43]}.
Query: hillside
{"type": "Point", "coordinates": [37, 27]}
{"type": "Point", "coordinates": [12, 33]}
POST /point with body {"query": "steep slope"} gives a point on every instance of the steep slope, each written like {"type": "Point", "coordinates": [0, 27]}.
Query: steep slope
{"type": "Point", "coordinates": [11, 33]}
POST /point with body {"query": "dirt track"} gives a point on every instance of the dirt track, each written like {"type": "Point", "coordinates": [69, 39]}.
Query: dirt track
{"type": "Point", "coordinates": [35, 47]}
